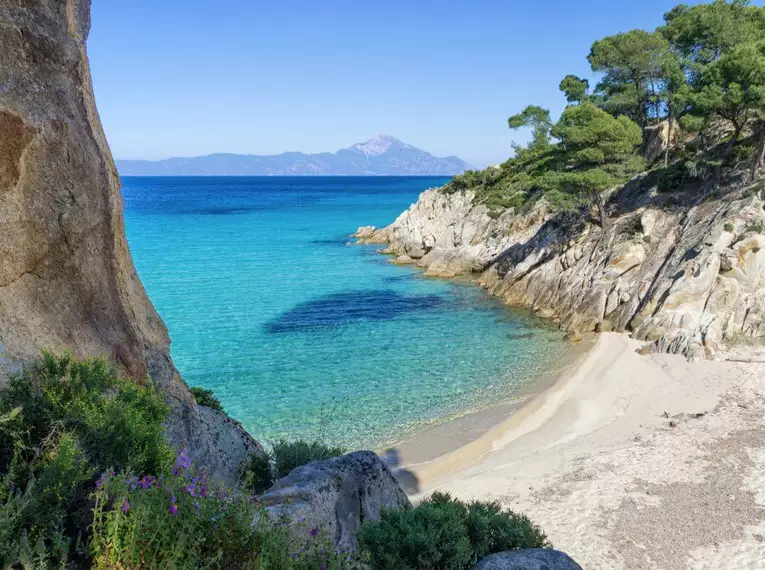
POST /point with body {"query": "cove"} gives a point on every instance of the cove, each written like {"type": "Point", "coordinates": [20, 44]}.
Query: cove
{"type": "Point", "coordinates": [301, 335]}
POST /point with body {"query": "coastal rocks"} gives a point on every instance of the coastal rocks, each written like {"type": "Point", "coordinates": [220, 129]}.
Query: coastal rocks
{"type": "Point", "coordinates": [67, 279]}
{"type": "Point", "coordinates": [529, 559]}
{"type": "Point", "coordinates": [685, 275]}
{"type": "Point", "coordinates": [450, 235]}
{"type": "Point", "coordinates": [336, 495]}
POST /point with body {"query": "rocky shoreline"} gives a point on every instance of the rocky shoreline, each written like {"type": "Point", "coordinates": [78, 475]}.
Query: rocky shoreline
{"type": "Point", "coordinates": [683, 271]}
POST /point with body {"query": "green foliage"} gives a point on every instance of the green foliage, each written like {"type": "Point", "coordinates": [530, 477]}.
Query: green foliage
{"type": "Point", "coordinates": [703, 72]}
{"type": "Point", "coordinates": [258, 472]}
{"type": "Point", "coordinates": [62, 421]}
{"type": "Point", "coordinates": [290, 454]}
{"type": "Point", "coordinates": [728, 227]}
{"type": "Point", "coordinates": [538, 119]}
{"type": "Point", "coordinates": [631, 64]}
{"type": "Point", "coordinates": [206, 398]}
{"type": "Point", "coordinates": [445, 533]}
{"type": "Point", "coordinates": [575, 89]}
{"type": "Point", "coordinates": [591, 138]}
{"type": "Point", "coordinates": [184, 520]}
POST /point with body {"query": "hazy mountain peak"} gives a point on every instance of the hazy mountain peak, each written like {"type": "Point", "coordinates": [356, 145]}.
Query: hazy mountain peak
{"type": "Point", "coordinates": [378, 145]}
{"type": "Point", "coordinates": [373, 157]}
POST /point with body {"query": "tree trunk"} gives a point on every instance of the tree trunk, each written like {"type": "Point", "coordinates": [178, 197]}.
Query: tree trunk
{"type": "Point", "coordinates": [669, 140]}
{"type": "Point", "coordinates": [726, 153]}
{"type": "Point", "coordinates": [759, 154]}
{"type": "Point", "coordinates": [600, 205]}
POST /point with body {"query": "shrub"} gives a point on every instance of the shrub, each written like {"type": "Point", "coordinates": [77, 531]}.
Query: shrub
{"type": "Point", "coordinates": [186, 521]}
{"type": "Point", "coordinates": [63, 421]}
{"type": "Point", "coordinates": [290, 454]}
{"type": "Point", "coordinates": [258, 472]}
{"type": "Point", "coordinates": [728, 227]}
{"type": "Point", "coordinates": [206, 398]}
{"type": "Point", "coordinates": [445, 533]}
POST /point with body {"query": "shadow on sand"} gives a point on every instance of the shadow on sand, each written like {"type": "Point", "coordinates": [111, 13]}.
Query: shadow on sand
{"type": "Point", "coordinates": [408, 480]}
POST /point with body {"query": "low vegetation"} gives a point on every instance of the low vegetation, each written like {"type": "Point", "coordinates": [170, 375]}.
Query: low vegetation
{"type": "Point", "coordinates": [445, 533]}
{"type": "Point", "coordinates": [700, 77]}
{"type": "Point", "coordinates": [263, 467]}
{"type": "Point", "coordinates": [88, 480]}
{"type": "Point", "coordinates": [207, 398]}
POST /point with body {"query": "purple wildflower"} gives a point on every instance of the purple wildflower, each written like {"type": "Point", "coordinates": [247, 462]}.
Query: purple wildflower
{"type": "Point", "coordinates": [133, 483]}
{"type": "Point", "coordinates": [147, 481]}
{"type": "Point", "coordinates": [101, 480]}
{"type": "Point", "coordinates": [314, 532]}
{"type": "Point", "coordinates": [174, 509]}
{"type": "Point", "coordinates": [125, 506]}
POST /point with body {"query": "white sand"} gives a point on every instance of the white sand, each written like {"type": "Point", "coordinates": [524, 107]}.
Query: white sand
{"type": "Point", "coordinates": [595, 462]}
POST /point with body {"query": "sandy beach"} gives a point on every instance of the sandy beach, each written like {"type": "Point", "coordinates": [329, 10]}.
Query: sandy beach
{"type": "Point", "coordinates": [627, 461]}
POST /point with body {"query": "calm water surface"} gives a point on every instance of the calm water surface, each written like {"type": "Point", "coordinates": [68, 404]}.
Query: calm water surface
{"type": "Point", "coordinates": [300, 335]}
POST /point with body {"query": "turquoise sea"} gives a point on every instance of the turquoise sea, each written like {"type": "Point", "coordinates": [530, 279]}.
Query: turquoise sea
{"type": "Point", "coordinates": [301, 335]}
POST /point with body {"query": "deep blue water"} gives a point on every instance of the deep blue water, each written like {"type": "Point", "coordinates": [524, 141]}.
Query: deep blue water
{"type": "Point", "coordinates": [301, 335]}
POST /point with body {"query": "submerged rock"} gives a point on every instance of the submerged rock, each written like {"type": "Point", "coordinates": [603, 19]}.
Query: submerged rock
{"type": "Point", "coordinates": [529, 559]}
{"type": "Point", "coordinates": [67, 279]}
{"type": "Point", "coordinates": [336, 495]}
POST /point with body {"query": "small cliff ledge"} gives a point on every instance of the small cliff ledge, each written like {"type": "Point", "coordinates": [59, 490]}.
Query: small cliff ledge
{"type": "Point", "coordinates": [66, 276]}
{"type": "Point", "coordinates": [683, 271]}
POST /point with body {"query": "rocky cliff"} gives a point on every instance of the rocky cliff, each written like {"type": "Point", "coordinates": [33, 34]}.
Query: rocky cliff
{"type": "Point", "coordinates": [683, 271]}
{"type": "Point", "coordinates": [66, 275]}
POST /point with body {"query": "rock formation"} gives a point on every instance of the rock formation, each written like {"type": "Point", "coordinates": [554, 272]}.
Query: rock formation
{"type": "Point", "coordinates": [66, 276]}
{"type": "Point", "coordinates": [683, 270]}
{"type": "Point", "coordinates": [530, 559]}
{"type": "Point", "coordinates": [336, 495]}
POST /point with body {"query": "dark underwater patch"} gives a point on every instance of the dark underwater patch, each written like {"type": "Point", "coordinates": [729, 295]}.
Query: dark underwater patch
{"type": "Point", "coordinates": [400, 278]}
{"type": "Point", "coordinates": [336, 241]}
{"type": "Point", "coordinates": [345, 308]}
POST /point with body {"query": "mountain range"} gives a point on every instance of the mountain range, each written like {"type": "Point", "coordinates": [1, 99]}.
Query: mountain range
{"type": "Point", "coordinates": [381, 155]}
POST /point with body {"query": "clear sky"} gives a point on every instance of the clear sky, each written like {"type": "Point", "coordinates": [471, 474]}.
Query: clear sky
{"type": "Point", "coordinates": [192, 77]}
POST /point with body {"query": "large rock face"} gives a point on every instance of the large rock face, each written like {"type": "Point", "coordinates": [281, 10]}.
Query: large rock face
{"type": "Point", "coordinates": [336, 495]}
{"type": "Point", "coordinates": [683, 271]}
{"type": "Point", "coordinates": [66, 275]}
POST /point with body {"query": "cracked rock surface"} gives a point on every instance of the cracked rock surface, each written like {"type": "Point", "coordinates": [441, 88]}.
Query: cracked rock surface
{"type": "Point", "coordinates": [67, 279]}
{"type": "Point", "coordinates": [683, 271]}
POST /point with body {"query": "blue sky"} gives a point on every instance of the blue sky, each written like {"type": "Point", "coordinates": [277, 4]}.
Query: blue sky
{"type": "Point", "coordinates": [192, 77]}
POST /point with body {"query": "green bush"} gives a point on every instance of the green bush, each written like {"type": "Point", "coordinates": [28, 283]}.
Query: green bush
{"type": "Point", "coordinates": [290, 454]}
{"type": "Point", "coordinates": [258, 472]}
{"type": "Point", "coordinates": [206, 398]}
{"type": "Point", "coordinates": [445, 533]}
{"type": "Point", "coordinates": [184, 520]}
{"type": "Point", "coordinates": [64, 421]}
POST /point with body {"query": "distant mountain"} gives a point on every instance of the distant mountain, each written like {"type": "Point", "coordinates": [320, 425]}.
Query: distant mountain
{"type": "Point", "coordinates": [382, 155]}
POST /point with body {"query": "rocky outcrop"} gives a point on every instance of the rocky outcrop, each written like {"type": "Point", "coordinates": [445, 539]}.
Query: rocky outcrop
{"type": "Point", "coordinates": [336, 495]}
{"type": "Point", "coordinates": [684, 271]}
{"type": "Point", "coordinates": [66, 276]}
{"type": "Point", "coordinates": [530, 559]}
{"type": "Point", "coordinates": [448, 234]}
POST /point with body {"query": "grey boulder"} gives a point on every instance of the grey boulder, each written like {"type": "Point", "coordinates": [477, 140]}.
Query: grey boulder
{"type": "Point", "coordinates": [335, 496]}
{"type": "Point", "coordinates": [529, 559]}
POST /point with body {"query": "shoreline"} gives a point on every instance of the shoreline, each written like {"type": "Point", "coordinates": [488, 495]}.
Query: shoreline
{"type": "Point", "coordinates": [449, 444]}
{"type": "Point", "coordinates": [628, 461]}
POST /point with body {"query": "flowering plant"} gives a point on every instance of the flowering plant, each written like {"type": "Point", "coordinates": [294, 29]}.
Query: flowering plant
{"type": "Point", "coordinates": [187, 520]}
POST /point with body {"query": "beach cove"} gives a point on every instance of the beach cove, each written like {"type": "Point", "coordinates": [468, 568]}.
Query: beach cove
{"type": "Point", "coordinates": [302, 335]}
